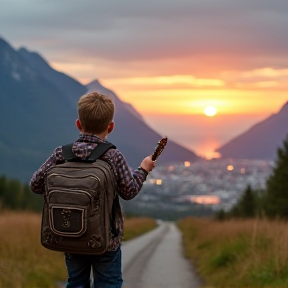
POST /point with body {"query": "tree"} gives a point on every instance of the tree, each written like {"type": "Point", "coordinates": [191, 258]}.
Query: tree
{"type": "Point", "coordinates": [18, 196]}
{"type": "Point", "coordinates": [246, 207]}
{"type": "Point", "coordinates": [276, 197]}
{"type": "Point", "coordinates": [247, 203]}
{"type": "Point", "coordinates": [13, 194]}
{"type": "Point", "coordinates": [221, 215]}
{"type": "Point", "coordinates": [30, 200]}
{"type": "Point", "coordinates": [3, 189]}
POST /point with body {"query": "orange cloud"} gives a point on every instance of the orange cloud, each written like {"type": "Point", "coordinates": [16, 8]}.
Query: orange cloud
{"type": "Point", "coordinates": [167, 81]}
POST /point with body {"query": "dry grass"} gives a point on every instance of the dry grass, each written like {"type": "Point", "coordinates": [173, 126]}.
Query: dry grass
{"type": "Point", "coordinates": [134, 227]}
{"type": "Point", "coordinates": [24, 263]}
{"type": "Point", "coordinates": [238, 253]}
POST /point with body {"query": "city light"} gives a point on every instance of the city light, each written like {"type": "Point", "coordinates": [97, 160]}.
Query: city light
{"type": "Point", "coordinates": [158, 181]}
{"type": "Point", "coordinates": [230, 167]}
{"type": "Point", "coordinates": [187, 164]}
{"type": "Point", "coordinates": [155, 181]}
{"type": "Point", "coordinates": [205, 199]}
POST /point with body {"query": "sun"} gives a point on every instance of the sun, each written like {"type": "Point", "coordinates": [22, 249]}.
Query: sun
{"type": "Point", "coordinates": [210, 111]}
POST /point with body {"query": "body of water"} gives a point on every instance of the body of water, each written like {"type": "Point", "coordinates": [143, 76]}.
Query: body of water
{"type": "Point", "coordinates": [202, 134]}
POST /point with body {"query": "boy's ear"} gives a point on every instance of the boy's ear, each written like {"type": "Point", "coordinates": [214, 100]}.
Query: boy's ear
{"type": "Point", "coordinates": [111, 127]}
{"type": "Point", "coordinates": [79, 126]}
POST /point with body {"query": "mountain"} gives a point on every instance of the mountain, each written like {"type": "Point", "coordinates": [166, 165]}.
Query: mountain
{"type": "Point", "coordinates": [68, 86]}
{"type": "Point", "coordinates": [131, 133]}
{"type": "Point", "coordinates": [38, 111]}
{"type": "Point", "coordinates": [261, 140]}
{"type": "Point", "coordinates": [36, 115]}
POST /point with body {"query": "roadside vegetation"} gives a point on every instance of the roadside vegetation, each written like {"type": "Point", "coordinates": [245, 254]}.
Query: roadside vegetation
{"type": "Point", "coordinates": [238, 253]}
{"type": "Point", "coordinates": [24, 263]}
{"type": "Point", "coordinates": [246, 247]}
{"type": "Point", "coordinates": [134, 227]}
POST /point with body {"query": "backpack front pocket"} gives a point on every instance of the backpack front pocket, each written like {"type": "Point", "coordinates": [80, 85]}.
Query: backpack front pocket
{"type": "Point", "coordinates": [68, 221]}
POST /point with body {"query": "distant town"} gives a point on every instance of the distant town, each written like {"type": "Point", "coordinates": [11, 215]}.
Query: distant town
{"type": "Point", "coordinates": [198, 188]}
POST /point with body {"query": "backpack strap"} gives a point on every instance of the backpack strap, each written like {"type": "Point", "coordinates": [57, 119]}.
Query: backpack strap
{"type": "Point", "coordinates": [99, 150]}
{"type": "Point", "coordinates": [67, 152]}
{"type": "Point", "coordinates": [96, 153]}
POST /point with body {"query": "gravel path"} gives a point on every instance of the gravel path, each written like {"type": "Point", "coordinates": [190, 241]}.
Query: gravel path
{"type": "Point", "coordinates": [156, 260]}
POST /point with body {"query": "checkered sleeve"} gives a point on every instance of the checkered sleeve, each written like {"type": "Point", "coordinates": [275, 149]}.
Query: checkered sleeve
{"type": "Point", "coordinates": [37, 181]}
{"type": "Point", "coordinates": [129, 182]}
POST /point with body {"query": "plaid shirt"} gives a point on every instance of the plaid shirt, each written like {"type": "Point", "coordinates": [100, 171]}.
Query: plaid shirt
{"type": "Point", "coordinates": [129, 182]}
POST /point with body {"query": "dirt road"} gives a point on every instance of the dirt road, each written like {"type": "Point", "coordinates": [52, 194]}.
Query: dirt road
{"type": "Point", "coordinates": [155, 260]}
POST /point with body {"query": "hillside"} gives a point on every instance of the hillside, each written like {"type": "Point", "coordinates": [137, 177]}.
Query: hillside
{"type": "Point", "coordinates": [38, 112]}
{"type": "Point", "coordinates": [261, 140]}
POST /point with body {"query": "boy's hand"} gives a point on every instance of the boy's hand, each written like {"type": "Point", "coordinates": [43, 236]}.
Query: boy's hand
{"type": "Point", "coordinates": [148, 164]}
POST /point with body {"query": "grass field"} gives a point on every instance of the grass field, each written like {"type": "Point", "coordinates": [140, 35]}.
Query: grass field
{"type": "Point", "coordinates": [238, 253]}
{"type": "Point", "coordinates": [24, 263]}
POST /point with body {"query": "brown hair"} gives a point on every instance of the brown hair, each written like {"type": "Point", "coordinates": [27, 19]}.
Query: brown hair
{"type": "Point", "coordinates": [95, 112]}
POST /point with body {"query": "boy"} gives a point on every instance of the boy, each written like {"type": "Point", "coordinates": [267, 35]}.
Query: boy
{"type": "Point", "coordinates": [95, 122]}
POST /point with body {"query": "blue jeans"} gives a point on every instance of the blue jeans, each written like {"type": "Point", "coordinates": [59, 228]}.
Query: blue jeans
{"type": "Point", "coordinates": [106, 270]}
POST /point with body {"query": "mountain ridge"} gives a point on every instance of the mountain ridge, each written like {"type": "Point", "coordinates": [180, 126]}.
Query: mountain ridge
{"type": "Point", "coordinates": [38, 105]}
{"type": "Point", "coordinates": [261, 141]}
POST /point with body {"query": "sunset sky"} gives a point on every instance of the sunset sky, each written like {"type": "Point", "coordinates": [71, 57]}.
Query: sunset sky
{"type": "Point", "coordinates": [168, 58]}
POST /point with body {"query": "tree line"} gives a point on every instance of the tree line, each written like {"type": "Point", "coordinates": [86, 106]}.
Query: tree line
{"type": "Point", "coordinates": [271, 202]}
{"type": "Point", "coordinates": [15, 195]}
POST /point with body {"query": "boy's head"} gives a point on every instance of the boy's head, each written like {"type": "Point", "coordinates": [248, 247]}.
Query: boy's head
{"type": "Point", "coordinates": [95, 112]}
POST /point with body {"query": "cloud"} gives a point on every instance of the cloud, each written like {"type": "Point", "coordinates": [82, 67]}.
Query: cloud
{"type": "Point", "coordinates": [173, 82]}
{"type": "Point", "coordinates": [261, 78]}
{"type": "Point", "coordinates": [207, 34]}
{"type": "Point", "coordinates": [266, 72]}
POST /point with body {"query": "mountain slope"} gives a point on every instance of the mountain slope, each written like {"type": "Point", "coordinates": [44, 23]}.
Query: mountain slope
{"type": "Point", "coordinates": [34, 118]}
{"type": "Point", "coordinates": [260, 141]}
{"type": "Point", "coordinates": [68, 86]}
{"type": "Point", "coordinates": [38, 112]}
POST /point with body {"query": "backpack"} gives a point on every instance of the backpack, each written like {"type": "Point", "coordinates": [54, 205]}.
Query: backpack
{"type": "Point", "coordinates": [77, 215]}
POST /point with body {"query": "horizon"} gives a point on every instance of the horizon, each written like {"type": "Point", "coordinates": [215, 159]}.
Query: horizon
{"type": "Point", "coordinates": [207, 134]}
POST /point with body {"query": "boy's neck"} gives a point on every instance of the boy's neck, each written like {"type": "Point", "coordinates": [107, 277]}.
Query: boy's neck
{"type": "Point", "coordinates": [102, 136]}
